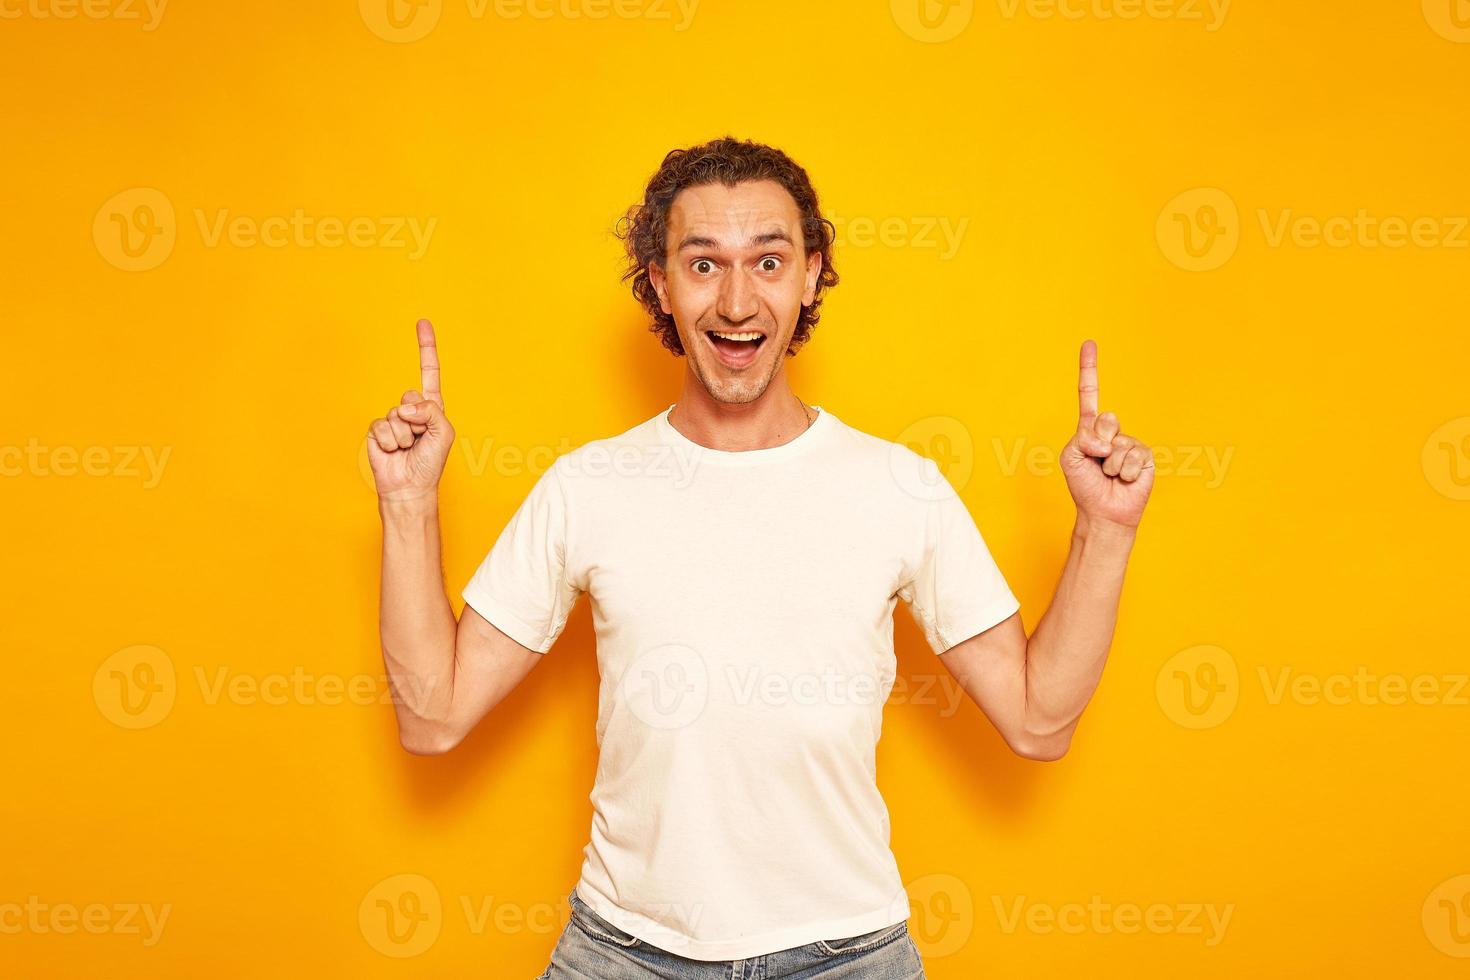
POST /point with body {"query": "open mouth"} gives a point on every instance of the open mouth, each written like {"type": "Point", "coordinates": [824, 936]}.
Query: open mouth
{"type": "Point", "coordinates": [736, 348]}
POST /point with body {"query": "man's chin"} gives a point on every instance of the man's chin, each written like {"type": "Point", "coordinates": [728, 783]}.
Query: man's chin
{"type": "Point", "coordinates": [735, 393]}
{"type": "Point", "coordinates": [731, 390]}
{"type": "Point", "coordinates": [728, 384]}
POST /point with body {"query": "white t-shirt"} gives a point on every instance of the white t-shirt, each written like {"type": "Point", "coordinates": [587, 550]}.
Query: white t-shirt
{"type": "Point", "coordinates": [743, 605]}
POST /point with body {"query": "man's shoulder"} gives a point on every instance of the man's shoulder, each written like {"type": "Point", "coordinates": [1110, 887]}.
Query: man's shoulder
{"type": "Point", "coordinates": [896, 454]}
{"type": "Point", "coordinates": [901, 469]}
{"type": "Point", "coordinates": [612, 454]}
{"type": "Point", "coordinates": [639, 434]}
{"type": "Point", "coordinates": [642, 446]}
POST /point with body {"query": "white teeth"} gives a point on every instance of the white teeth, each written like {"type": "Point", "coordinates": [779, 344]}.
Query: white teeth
{"type": "Point", "coordinates": [737, 336]}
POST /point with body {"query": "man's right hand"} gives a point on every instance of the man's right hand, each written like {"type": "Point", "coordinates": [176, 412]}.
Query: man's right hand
{"type": "Point", "coordinates": [409, 446]}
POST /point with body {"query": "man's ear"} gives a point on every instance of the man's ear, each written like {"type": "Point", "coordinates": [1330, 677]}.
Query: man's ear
{"type": "Point", "coordinates": [813, 273]}
{"type": "Point", "coordinates": [660, 285]}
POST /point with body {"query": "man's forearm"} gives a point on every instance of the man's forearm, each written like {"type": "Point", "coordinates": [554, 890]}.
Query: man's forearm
{"type": "Point", "coordinates": [417, 623]}
{"type": "Point", "coordinates": [1067, 650]}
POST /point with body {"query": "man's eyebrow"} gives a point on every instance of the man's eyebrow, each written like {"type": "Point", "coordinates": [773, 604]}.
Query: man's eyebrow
{"type": "Point", "coordinates": [766, 238]}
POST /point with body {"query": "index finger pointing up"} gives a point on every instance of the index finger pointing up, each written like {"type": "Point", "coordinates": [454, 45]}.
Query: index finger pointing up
{"type": "Point", "coordinates": [1087, 383]}
{"type": "Point", "coordinates": [429, 364]}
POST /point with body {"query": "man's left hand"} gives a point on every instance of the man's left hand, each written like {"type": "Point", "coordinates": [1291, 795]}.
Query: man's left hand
{"type": "Point", "coordinates": [1109, 473]}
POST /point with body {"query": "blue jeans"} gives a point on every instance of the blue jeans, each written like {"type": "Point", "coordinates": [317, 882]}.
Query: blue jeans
{"type": "Point", "coordinates": [591, 948]}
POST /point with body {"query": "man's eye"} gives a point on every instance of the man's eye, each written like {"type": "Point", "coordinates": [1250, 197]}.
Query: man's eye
{"type": "Point", "coordinates": [703, 266]}
{"type": "Point", "coordinates": [770, 263]}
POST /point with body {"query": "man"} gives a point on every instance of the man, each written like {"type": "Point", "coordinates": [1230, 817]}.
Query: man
{"type": "Point", "coordinates": [743, 552]}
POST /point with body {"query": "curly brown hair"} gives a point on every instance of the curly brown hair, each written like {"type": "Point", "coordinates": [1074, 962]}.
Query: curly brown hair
{"type": "Point", "coordinates": [729, 161]}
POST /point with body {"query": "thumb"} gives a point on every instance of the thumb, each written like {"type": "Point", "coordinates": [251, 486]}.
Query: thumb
{"type": "Point", "coordinates": [1079, 449]}
{"type": "Point", "coordinates": [425, 413]}
{"type": "Point", "coordinates": [1090, 442]}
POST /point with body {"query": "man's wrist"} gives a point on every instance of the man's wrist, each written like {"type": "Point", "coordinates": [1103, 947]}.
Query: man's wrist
{"type": "Point", "coordinates": [1100, 531]}
{"type": "Point", "coordinates": [409, 506]}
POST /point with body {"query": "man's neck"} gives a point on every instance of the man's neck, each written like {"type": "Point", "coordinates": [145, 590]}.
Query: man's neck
{"type": "Point", "coordinates": [773, 419]}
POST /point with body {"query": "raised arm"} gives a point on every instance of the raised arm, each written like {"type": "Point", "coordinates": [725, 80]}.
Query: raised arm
{"type": "Point", "coordinates": [445, 675]}
{"type": "Point", "coordinates": [1034, 690]}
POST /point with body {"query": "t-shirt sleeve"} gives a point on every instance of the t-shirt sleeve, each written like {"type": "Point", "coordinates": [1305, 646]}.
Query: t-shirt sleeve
{"type": "Point", "coordinates": [956, 589]}
{"type": "Point", "coordinates": [522, 587]}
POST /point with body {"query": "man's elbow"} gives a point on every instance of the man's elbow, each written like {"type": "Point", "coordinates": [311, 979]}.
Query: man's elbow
{"type": "Point", "coordinates": [428, 739]}
{"type": "Point", "coordinates": [1041, 748]}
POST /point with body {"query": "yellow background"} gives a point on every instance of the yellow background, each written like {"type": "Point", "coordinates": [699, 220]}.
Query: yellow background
{"type": "Point", "coordinates": [1333, 542]}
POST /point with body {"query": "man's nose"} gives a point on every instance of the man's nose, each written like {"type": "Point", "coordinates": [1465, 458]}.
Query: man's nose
{"type": "Point", "coordinates": [738, 300]}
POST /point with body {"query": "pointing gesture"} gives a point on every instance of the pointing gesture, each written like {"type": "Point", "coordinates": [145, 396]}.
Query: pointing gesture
{"type": "Point", "coordinates": [1087, 384]}
{"type": "Point", "coordinates": [429, 364]}
{"type": "Point", "coordinates": [1109, 474]}
{"type": "Point", "coordinates": [409, 446]}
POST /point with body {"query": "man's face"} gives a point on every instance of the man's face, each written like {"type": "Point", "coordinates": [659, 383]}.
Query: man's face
{"type": "Point", "coordinates": [736, 265]}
